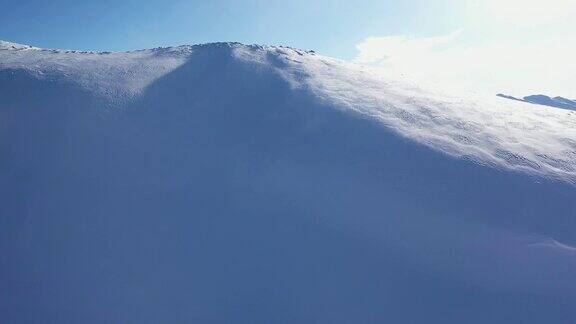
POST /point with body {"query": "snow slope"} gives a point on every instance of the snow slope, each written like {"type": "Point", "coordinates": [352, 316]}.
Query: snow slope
{"type": "Point", "coordinates": [262, 184]}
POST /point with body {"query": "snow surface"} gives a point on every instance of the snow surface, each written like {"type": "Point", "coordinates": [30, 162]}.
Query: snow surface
{"type": "Point", "coordinates": [264, 184]}
{"type": "Point", "coordinates": [487, 130]}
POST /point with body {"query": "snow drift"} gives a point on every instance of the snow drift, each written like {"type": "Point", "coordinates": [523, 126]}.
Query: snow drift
{"type": "Point", "coordinates": [232, 183]}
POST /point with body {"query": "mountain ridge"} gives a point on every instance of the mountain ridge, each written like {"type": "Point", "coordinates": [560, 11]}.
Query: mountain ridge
{"type": "Point", "coordinates": [6, 45]}
{"type": "Point", "coordinates": [464, 130]}
{"type": "Point", "coordinates": [556, 102]}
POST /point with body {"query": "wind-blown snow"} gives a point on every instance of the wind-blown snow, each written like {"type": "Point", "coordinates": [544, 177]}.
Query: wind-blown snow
{"type": "Point", "coordinates": [231, 183]}
{"type": "Point", "coordinates": [115, 76]}
{"type": "Point", "coordinates": [486, 130]}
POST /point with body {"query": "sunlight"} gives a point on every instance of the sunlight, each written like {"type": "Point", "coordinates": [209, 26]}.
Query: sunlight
{"type": "Point", "coordinates": [523, 12]}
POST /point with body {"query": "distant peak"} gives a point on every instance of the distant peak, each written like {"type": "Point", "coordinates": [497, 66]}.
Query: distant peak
{"type": "Point", "coordinates": [4, 45]}
{"type": "Point", "coordinates": [540, 99]}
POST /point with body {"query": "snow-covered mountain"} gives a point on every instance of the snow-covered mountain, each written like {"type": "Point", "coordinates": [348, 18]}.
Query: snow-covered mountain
{"type": "Point", "coordinates": [557, 102]}
{"type": "Point", "coordinates": [232, 183]}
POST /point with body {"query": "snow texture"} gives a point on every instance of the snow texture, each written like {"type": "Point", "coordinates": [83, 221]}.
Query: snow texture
{"type": "Point", "coordinates": [534, 140]}
{"type": "Point", "coordinates": [263, 184]}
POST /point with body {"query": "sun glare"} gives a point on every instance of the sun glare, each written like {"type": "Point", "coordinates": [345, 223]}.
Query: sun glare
{"type": "Point", "coordinates": [523, 12]}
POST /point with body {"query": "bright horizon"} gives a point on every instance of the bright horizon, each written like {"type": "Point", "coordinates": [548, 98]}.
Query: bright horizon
{"type": "Point", "coordinates": [513, 46]}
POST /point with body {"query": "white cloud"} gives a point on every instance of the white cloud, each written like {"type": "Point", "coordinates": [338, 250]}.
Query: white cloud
{"type": "Point", "coordinates": [375, 49]}
{"type": "Point", "coordinates": [516, 66]}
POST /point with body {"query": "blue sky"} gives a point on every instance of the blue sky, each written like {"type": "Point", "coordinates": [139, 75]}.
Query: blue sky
{"type": "Point", "coordinates": [332, 27]}
{"type": "Point", "coordinates": [515, 46]}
